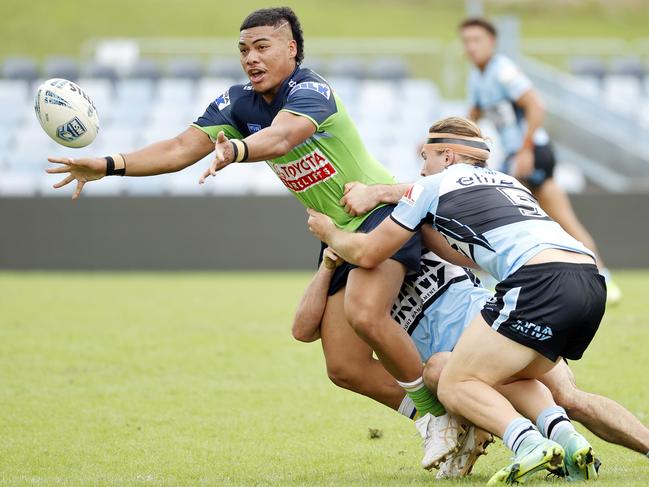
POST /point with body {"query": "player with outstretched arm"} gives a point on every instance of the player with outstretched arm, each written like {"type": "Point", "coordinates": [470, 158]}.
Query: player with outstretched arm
{"type": "Point", "coordinates": [290, 117]}
{"type": "Point", "coordinates": [548, 304]}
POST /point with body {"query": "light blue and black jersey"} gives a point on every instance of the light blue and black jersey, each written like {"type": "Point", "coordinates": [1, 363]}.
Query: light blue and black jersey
{"type": "Point", "coordinates": [495, 92]}
{"type": "Point", "coordinates": [436, 304]}
{"type": "Point", "coordinates": [487, 215]}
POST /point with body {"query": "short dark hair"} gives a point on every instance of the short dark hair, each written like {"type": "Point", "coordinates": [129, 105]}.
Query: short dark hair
{"type": "Point", "coordinates": [479, 22]}
{"type": "Point", "coordinates": [274, 17]}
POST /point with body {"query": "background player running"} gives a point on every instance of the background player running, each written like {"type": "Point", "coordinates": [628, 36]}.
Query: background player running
{"type": "Point", "coordinates": [501, 92]}
{"type": "Point", "coordinates": [548, 304]}
{"type": "Point", "coordinates": [290, 117]}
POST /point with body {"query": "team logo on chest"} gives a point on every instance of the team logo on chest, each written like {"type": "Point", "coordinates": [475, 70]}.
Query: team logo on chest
{"type": "Point", "coordinates": [300, 175]}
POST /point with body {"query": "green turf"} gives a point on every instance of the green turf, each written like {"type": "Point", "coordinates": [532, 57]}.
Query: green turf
{"type": "Point", "coordinates": [40, 27]}
{"type": "Point", "coordinates": [193, 379]}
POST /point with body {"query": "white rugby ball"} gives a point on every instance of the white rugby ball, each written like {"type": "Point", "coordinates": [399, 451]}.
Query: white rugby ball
{"type": "Point", "coordinates": [66, 113]}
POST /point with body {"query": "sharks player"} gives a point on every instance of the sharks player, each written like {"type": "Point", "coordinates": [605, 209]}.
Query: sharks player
{"type": "Point", "coordinates": [434, 306]}
{"type": "Point", "coordinates": [548, 304]}
{"type": "Point", "coordinates": [290, 117]}
{"type": "Point", "coordinates": [499, 91]}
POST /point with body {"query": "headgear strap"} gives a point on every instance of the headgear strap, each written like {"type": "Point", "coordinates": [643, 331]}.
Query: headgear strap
{"type": "Point", "coordinates": [474, 147]}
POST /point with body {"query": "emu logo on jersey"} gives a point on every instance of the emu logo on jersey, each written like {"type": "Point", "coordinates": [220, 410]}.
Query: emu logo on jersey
{"type": "Point", "coordinates": [254, 127]}
{"type": "Point", "coordinates": [321, 88]}
{"type": "Point", "coordinates": [412, 194]}
{"type": "Point", "coordinates": [223, 100]}
{"type": "Point", "coordinates": [71, 130]}
{"type": "Point", "coordinates": [300, 175]}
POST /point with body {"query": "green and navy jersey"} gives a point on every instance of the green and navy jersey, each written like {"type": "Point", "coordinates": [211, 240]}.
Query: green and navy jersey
{"type": "Point", "coordinates": [487, 215]}
{"type": "Point", "coordinates": [317, 170]}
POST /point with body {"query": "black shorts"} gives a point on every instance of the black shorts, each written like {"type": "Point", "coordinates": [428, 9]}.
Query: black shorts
{"type": "Point", "coordinates": [544, 162]}
{"type": "Point", "coordinates": [553, 308]}
{"type": "Point", "coordinates": [409, 255]}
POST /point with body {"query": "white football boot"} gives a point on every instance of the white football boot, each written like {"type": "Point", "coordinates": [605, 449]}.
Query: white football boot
{"type": "Point", "coordinates": [460, 463]}
{"type": "Point", "coordinates": [441, 436]}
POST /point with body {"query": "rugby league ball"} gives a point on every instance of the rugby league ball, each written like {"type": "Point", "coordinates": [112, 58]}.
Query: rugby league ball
{"type": "Point", "coordinates": [66, 113]}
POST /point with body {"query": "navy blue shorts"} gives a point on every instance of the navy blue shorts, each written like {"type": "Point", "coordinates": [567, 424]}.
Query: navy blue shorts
{"type": "Point", "coordinates": [409, 255]}
{"type": "Point", "coordinates": [554, 308]}
{"type": "Point", "coordinates": [544, 162]}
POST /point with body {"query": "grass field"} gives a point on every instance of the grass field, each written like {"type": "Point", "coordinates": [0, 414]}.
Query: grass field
{"type": "Point", "coordinates": [193, 379]}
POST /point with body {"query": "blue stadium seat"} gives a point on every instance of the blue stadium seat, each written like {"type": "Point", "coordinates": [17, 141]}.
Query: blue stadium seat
{"type": "Point", "coordinates": [17, 184]}
{"type": "Point", "coordinates": [388, 68]}
{"type": "Point", "coordinates": [189, 68]}
{"type": "Point", "coordinates": [179, 92]}
{"type": "Point", "coordinates": [20, 68]}
{"type": "Point", "coordinates": [591, 71]}
{"type": "Point", "coordinates": [207, 90]}
{"type": "Point", "coordinates": [145, 69]}
{"type": "Point", "coordinates": [94, 69]}
{"type": "Point", "coordinates": [61, 67]}
{"type": "Point", "coordinates": [14, 97]}
{"type": "Point", "coordinates": [316, 64]}
{"type": "Point", "coordinates": [225, 67]}
{"type": "Point", "coordinates": [347, 67]}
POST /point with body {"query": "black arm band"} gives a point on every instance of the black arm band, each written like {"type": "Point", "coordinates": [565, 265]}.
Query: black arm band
{"type": "Point", "coordinates": [110, 167]}
{"type": "Point", "coordinates": [235, 151]}
{"type": "Point", "coordinates": [245, 152]}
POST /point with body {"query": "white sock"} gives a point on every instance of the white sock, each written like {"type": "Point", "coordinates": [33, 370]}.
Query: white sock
{"type": "Point", "coordinates": [412, 386]}
{"type": "Point", "coordinates": [553, 423]}
{"type": "Point", "coordinates": [407, 407]}
{"type": "Point", "coordinates": [518, 431]}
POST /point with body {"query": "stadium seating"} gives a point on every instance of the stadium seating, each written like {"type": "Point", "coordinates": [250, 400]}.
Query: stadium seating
{"type": "Point", "coordinates": [150, 100]}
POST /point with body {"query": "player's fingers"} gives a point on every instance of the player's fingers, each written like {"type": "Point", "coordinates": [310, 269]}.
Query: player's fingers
{"type": "Point", "coordinates": [58, 169]}
{"type": "Point", "coordinates": [213, 167]}
{"type": "Point", "coordinates": [348, 187]}
{"type": "Point", "coordinates": [77, 191]}
{"type": "Point", "coordinates": [204, 176]}
{"type": "Point", "coordinates": [63, 182]}
{"type": "Point", "coordinates": [59, 160]}
{"type": "Point", "coordinates": [343, 200]}
{"type": "Point", "coordinates": [221, 137]}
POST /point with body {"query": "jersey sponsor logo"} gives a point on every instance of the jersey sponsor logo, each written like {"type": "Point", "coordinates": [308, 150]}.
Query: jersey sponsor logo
{"type": "Point", "coordinates": [223, 100]}
{"type": "Point", "coordinates": [412, 194]}
{"type": "Point", "coordinates": [300, 175]}
{"type": "Point", "coordinates": [531, 330]}
{"type": "Point", "coordinates": [489, 178]}
{"type": "Point", "coordinates": [254, 127]}
{"type": "Point", "coordinates": [321, 88]}
{"type": "Point", "coordinates": [420, 290]}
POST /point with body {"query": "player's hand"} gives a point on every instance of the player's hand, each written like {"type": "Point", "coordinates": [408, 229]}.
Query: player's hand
{"type": "Point", "coordinates": [82, 170]}
{"type": "Point", "coordinates": [359, 198]}
{"type": "Point", "coordinates": [320, 225]}
{"type": "Point", "coordinates": [223, 156]}
{"type": "Point", "coordinates": [523, 164]}
{"type": "Point", "coordinates": [331, 260]}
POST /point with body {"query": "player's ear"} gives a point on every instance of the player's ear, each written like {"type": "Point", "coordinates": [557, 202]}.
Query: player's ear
{"type": "Point", "coordinates": [292, 48]}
